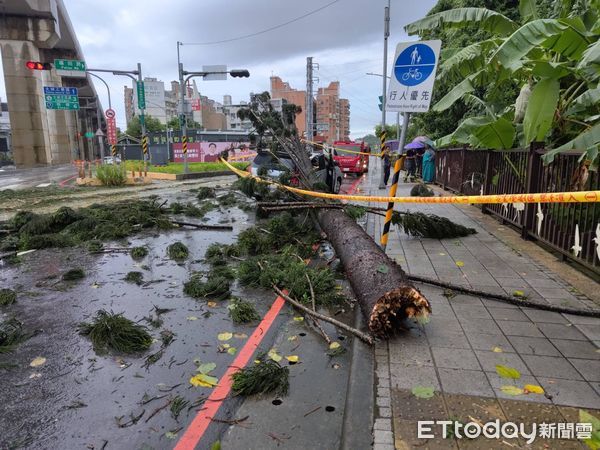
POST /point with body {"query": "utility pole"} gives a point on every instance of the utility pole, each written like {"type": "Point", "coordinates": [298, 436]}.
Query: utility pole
{"type": "Point", "coordinates": [182, 118]}
{"type": "Point", "coordinates": [308, 110]}
{"type": "Point", "coordinates": [386, 33]}
{"type": "Point", "coordinates": [142, 116]}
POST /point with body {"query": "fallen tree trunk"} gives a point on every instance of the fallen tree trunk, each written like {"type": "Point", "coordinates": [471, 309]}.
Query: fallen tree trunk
{"type": "Point", "coordinates": [385, 294]}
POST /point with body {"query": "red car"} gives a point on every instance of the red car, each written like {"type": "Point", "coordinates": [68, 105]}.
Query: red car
{"type": "Point", "coordinates": [351, 161]}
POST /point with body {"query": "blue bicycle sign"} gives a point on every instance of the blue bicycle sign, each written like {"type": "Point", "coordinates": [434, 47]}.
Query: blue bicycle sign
{"type": "Point", "coordinates": [414, 65]}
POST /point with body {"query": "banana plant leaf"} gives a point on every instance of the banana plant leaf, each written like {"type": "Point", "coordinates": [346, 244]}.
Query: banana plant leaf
{"type": "Point", "coordinates": [459, 17]}
{"type": "Point", "coordinates": [540, 110]}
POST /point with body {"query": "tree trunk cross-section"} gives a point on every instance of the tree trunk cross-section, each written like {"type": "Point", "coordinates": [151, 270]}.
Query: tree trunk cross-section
{"type": "Point", "coordinates": [385, 294]}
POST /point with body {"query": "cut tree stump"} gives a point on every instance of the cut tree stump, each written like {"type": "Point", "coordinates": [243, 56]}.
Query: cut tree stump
{"type": "Point", "coordinates": [385, 294]}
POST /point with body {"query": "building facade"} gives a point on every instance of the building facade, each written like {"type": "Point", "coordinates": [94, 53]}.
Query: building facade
{"type": "Point", "coordinates": [283, 90]}
{"type": "Point", "coordinates": [333, 115]}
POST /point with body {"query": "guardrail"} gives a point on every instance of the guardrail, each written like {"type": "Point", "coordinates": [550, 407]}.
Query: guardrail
{"type": "Point", "coordinates": [571, 229]}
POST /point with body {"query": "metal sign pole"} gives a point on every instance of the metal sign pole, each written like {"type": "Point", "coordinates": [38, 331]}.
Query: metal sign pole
{"type": "Point", "coordinates": [386, 33]}
{"type": "Point", "coordinates": [182, 118]}
{"type": "Point", "coordinates": [390, 208]}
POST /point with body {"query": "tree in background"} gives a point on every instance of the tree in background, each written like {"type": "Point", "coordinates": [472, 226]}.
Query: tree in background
{"type": "Point", "coordinates": [437, 124]}
{"type": "Point", "coordinates": [191, 124]}
{"type": "Point", "coordinates": [555, 61]}
{"type": "Point", "coordinates": [152, 125]}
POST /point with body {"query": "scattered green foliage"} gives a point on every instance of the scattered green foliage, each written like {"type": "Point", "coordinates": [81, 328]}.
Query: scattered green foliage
{"type": "Point", "coordinates": [166, 337]}
{"type": "Point", "coordinates": [287, 271]}
{"type": "Point", "coordinates": [191, 210]}
{"type": "Point", "coordinates": [430, 226]}
{"type": "Point", "coordinates": [95, 246]}
{"type": "Point", "coordinates": [242, 311]}
{"type": "Point", "coordinates": [421, 190]}
{"type": "Point", "coordinates": [7, 297]}
{"type": "Point", "coordinates": [139, 252]}
{"type": "Point", "coordinates": [205, 192]}
{"type": "Point", "coordinates": [215, 287]}
{"type": "Point", "coordinates": [134, 277]}
{"type": "Point", "coordinates": [177, 405]}
{"type": "Point", "coordinates": [11, 335]}
{"type": "Point", "coordinates": [100, 222]}
{"type": "Point", "coordinates": [263, 378]}
{"type": "Point", "coordinates": [228, 199]}
{"type": "Point", "coordinates": [110, 331]}
{"type": "Point", "coordinates": [73, 274]}
{"type": "Point", "coordinates": [178, 251]}
{"type": "Point", "coordinates": [111, 174]}
{"type": "Point", "coordinates": [355, 212]}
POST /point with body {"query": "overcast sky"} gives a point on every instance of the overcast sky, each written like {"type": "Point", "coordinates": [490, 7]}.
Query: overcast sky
{"type": "Point", "coordinates": [345, 39]}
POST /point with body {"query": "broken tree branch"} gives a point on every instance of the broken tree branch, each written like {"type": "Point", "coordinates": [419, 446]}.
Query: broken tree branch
{"type": "Point", "coordinates": [506, 298]}
{"type": "Point", "coordinates": [363, 336]}
{"type": "Point", "coordinates": [314, 308]}
{"type": "Point", "coordinates": [203, 227]}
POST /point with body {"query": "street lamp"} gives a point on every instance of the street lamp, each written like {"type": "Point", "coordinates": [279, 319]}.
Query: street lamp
{"type": "Point", "coordinates": [184, 77]}
{"type": "Point", "coordinates": [383, 105]}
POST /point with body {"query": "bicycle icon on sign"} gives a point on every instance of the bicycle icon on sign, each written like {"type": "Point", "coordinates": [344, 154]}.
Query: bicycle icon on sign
{"type": "Point", "coordinates": [412, 73]}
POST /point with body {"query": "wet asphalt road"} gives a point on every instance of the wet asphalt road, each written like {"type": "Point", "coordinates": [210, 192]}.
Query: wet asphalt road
{"type": "Point", "coordinates": [75, 398]}
{"type": "Point", "coordinates": [27, 178]}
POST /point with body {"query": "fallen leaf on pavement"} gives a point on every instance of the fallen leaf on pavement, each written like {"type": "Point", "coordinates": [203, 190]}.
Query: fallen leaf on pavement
{"type": "Point", "coordinates": [533, 389]}
{"type": "Point", "coordinates": [224, 336]}
{"type": "Point", "coordinates": [274, 355]}
{"type": "Point", "coordinates": [507, 372]}
{"type": "Point", "coordinates": [232, 350]}
{"type": "Point", "coordinates": [383, 269]}
{"type": "Point", "coordinates": [206, 367]}
{"type": "Point", "coordinates": [212, 304]}
{"type": "Point", "coordinates": [460, 263]}
{"type": "Point", "coordinates": [292, 358]}
{"type": "Point", "coordinates": [35, 375]}
{"type": "Point", "coordinates": [293, 338]}
{"type": "Point", "coordinates": [240, 335]}
{"type": "Point", "coordinates": [334, 345]}
{"type": "Point", "coordinates": [191, 318]}
{"type": "Point", "coordinates": [422, 391]}
{"type": "Point", "coordinates": [39, 361]}
{"type": "Point", "coordinates": [298, 319]}
{"type": "Point", "coordinates": [497, 350]}
{"type": "Point", "coordinates": [203, 380]}
{"type": "Point", "coordinates": [512, 390]}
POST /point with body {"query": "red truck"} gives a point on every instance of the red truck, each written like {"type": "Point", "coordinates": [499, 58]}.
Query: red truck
{"type": "Point", "coordinates": [351, 162]}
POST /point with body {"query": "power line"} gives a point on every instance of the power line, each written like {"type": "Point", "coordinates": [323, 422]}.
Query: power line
{"type": "Point", "coordinates": [266, 30]}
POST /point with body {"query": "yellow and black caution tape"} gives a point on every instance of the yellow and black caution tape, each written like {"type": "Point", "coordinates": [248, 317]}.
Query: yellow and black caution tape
{"type": "Point", "coordinates": [238, 157]}
{"type": "Point", "coordinates": [550, 197]}
{"type": "Point", "coordinates": [339, 149]}
{"type": "Point", "coordinates": [390, 208]}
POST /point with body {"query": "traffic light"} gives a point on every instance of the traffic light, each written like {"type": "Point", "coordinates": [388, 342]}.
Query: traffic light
{"type": "Point", "coordinates": [381, 103]}
{"type": "Point", "coordinates": [36, 65]}
{"type": "Point", "coordinates": [239, 73]}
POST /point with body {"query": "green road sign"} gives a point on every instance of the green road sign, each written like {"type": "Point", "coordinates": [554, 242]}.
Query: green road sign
{"type": "Point", "coordinates": [89, 135]}
{"type": "Point", "coordinates": [141, 95]}
{"type": "Point", "coordinates": [69, 64]}
{"type": "Point", "coordinates": [58, 97]}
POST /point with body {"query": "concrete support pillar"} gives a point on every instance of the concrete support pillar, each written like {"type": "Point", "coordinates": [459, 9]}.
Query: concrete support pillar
{"type": "Point", "coordinates": [26, 106]}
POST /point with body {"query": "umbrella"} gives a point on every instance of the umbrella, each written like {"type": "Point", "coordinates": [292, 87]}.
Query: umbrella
{"type": "Point", "coordinates": [420, 142]}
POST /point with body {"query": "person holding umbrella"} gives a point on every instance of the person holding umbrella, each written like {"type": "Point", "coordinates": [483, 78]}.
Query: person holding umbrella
{"type": "Point", "coordinates": [427, 146]}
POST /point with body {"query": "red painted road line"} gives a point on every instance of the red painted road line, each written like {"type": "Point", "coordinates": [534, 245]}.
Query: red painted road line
{"type": "Point", "coordinates": [63, 182]}
{"type": "Point", "coordinates": [200, 424]}
{"type": "Point", "coordinates": [354, 185]}
{"type": "Point", "coordinates": [196, 429]}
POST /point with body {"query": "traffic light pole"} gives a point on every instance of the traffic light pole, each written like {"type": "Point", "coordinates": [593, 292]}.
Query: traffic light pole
{"type": "Point", "coordinates": [130, 74]}
{"type": "Point", "coordinates": [184, 77]}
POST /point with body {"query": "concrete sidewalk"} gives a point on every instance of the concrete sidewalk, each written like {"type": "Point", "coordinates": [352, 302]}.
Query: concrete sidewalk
{"type": "Point", "coordinates": [457, 351]}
